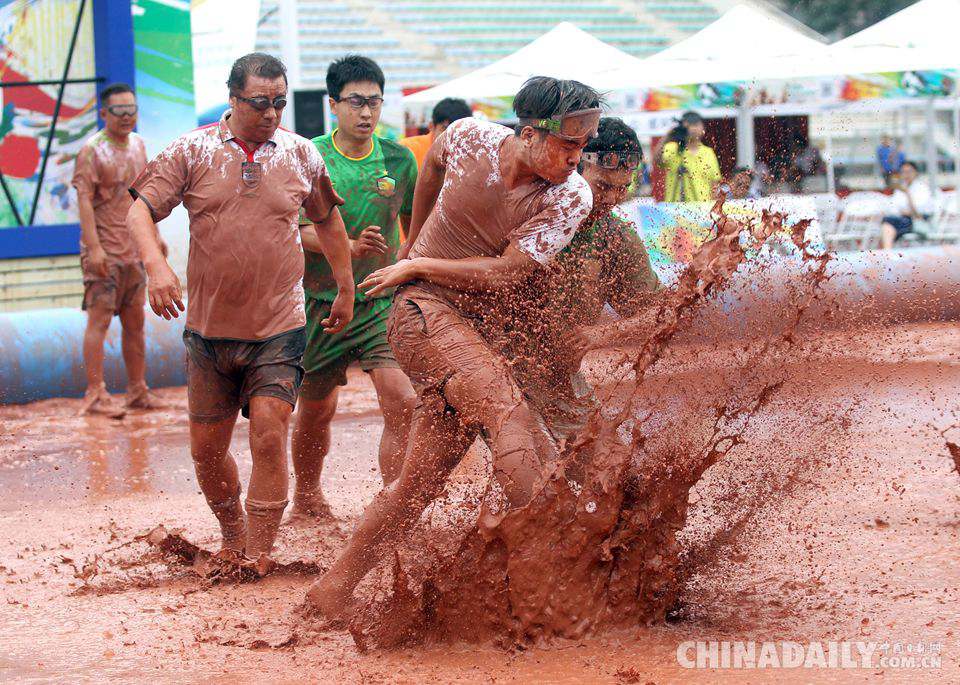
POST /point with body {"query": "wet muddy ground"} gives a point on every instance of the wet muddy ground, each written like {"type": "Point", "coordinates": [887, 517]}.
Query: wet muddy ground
{"type": "Point", "coordinates": [860, 540]}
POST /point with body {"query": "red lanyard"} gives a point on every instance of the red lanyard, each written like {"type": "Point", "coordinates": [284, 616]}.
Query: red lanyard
{"type": "Point", "coordinates": [247, 150]}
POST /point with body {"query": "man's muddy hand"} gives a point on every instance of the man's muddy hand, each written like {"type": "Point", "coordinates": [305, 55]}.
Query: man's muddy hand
{"type": "Point", "coordinates": [341, 313]}
{"type": "Point", "coordinates": [390, 276]}
{"type": "Point", "coordinates": [370, 242]}
{"type": "Point", "coordinates": [166, 295]}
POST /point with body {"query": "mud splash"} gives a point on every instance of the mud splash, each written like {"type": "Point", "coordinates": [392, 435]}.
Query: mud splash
{"type": "Point", "coordinates": [597, 546]}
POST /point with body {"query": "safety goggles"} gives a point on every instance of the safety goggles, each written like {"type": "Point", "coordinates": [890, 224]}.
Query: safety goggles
{"type": "Point", "coordinates": [374, 102]}
{"type": "Point", "coordinates": [262, 104]}
{"type": "Point", "coordinates": [609, 159]}
{"type": "Point", "coordinates": [122, 110]}
{"type": "Point", "coordinates": [573, 126]}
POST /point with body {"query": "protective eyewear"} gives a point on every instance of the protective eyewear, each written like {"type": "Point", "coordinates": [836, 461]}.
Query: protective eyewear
{"type": "Point", "coordinates": [573, 126]}
{"type": "Point", "coordinates": [262, 104]}
{"type": "Point", "coordinates": [122, 110]}
{"type": "Point", "coordinates": [609, 159]}
{"type": "Point", "coordinates": [374, 102]}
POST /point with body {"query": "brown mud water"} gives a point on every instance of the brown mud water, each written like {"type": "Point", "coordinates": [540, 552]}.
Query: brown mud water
{"type": "Point", "coordinates": [597, 546]}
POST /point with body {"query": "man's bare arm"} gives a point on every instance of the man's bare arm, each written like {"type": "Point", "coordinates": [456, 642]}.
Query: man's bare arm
{"type": "Point", "coordinates": [472, 274]}
{"type": "Point", "coordinates": [332, 241]}
{"type": "Point", "coordinates": [163, 286]}
{"type": "Point", "coordinates": [96, 257]}
{"type": "Point", "coordinates": [426, 193]}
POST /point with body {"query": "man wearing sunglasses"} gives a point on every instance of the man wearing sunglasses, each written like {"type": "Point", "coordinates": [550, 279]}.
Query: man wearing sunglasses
{"type": "Point", "coordinates": [376, 177]}
{"type": "Point", "coordinates": [243, 182]}
{"type": "Point", "coordinates": [492, 206]}
{"type": "Point", "coordinates": [604, 272]}
{"type": "Point", "coordinates": [114, 283]}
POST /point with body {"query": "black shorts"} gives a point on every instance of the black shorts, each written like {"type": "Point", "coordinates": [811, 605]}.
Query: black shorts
{"type": "Point", "coordinates": [222, 375]}
{"type": "Point", "coordinates": [901, 224]}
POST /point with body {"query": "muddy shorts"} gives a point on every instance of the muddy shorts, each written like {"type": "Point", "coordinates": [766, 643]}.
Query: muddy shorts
{"type": "Point", "coordinates": [363, 341]}
{"type": "Point", "coordinates": [222, 375]}
{"type": "Point", "coordinates": [125, 285]}
{"type": "Point", "coordinates": [434, 341]}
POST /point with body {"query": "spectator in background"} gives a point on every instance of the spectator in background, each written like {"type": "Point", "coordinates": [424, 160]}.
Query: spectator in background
{"type": "Point", "coordinates": [807, 163]}
{"type": "Point", "coordinates": [739, 186]}
{"type": "Point", "coordinates": [890, 157]}
{"type": "Point", "coordinates": [913, 201]}
{"type": "Point", "coordinates": [114, 282]}
{"type": "Point", "coordinates": [693, 172]}
{"type": "Point", "coordinates": [445, 113]}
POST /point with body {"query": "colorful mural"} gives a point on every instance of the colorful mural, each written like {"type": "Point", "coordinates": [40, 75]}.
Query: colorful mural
{"type": "Point", "coordinates": [34, 43]}
{"type": "Point", "coordinates": [673, 231]}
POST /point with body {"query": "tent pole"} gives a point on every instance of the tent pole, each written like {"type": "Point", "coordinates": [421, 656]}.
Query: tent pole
{"type": "Point", "coordinates": [290, 54]}
{"type": "Point", "coordinates": [931, 151]}
{"type": "Point", "coordinates": [831, 176]}
{"type": "Point", "coordinates": [745, 136]}
{"type": "Point", "coordinates": [956, 149]}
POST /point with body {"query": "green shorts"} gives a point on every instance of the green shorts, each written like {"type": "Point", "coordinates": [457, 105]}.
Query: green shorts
{"type": "Point", "coordinates": [328, 356]}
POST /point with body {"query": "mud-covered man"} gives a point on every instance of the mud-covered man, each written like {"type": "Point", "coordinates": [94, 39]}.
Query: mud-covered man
{"type": "Point", "coordinates": [492, 206]}
{"type": "Point", "coordinates": [114, 283]}
{"type": "Point", "coordinates": [243, 182]}
{"type": "Point", "coordinates": [603, 274]}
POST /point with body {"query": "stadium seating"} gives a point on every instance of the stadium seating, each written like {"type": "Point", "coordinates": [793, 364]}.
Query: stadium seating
{"type": "Point", "coordinates": [422, 42]}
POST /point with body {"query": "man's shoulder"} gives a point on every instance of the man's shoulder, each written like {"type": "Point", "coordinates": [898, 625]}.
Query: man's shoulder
{"type": "Point", "coordinates": [575, 191]}
{"type": "Point", "coordinates": [396, 152]}
{"type": "Point", "coordinates": [323, 143]}
{"type": "Point", "coordinates": [477, 131]}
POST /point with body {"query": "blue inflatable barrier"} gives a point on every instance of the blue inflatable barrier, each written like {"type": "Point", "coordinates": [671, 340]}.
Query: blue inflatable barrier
{"type": "Point", "coordinates": [41, 350]}
{"type": "Point", "coordinates": [41, 354]}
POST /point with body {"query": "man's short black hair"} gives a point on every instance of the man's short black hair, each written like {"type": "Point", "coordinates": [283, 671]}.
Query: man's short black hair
{"type": "Point", "coordinates": [352, 69]}
{"type": "Point", "coordinates": [911, 163]}
{"type": "Point", "coordinates": [614, 135]}
{"type": "Point", "coordinates": [255, 64]}
{"type": "Point", "coordinates": [542, 97]}
{"type": "Point", "coordinates": [450, 110]}
{"type": "Point", "coordinates": [114, 89]}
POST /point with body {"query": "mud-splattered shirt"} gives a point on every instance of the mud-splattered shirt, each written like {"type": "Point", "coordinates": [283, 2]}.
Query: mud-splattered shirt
{"type": "Point", "coordinates": [477, 215]}
{"type": "Point", "coordinates": [245, 267]}
{"type": "Point", "coordinates": [103, 171]}
{"type": "Point", "coordinates": [377, 188]}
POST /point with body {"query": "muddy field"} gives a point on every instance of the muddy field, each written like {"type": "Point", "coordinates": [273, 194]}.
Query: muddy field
{"type": "Point", "coordinates": [859, 540]}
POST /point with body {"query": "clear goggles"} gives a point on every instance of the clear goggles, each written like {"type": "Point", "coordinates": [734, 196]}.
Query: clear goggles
{"type": "Point", "coordinates": [573, 126]}
{"type": "Point", "coordinates": [609, 159]}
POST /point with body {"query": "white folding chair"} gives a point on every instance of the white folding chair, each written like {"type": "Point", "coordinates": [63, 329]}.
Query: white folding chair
{"type": "Point", "coordinates": [945, 227]}
{"type": "Point", "coordinates": [858, 227]}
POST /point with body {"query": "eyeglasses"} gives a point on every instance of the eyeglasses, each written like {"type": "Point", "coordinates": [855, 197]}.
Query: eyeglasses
{"type": "Point", "coordinates": [572, 126]}
{"type": "Point", "coordinates": [374, 102]}
{"type": "Point", "coordinates": [609, 159]}
{"type": "Point", "coordinates": [122, 110]}
{"type": "Point", "coordinates": [262, 104]}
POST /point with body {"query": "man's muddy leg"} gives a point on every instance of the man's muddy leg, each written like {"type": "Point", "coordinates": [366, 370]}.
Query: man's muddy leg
{"type": "Point", "coordinates": [437, 443]}
{"type": "Point", "coordinates": [267, 494]}
{"type": "Point", "coordinates": [311, 443]}
{"type": "Point", "coordinates": [488, 396]}
{"type": "Point", "coordinates": [217, 475]}
{"type": "Point", "coordinates": [397, 402]}
{"type": "Point", "coordinates": [134, 345]}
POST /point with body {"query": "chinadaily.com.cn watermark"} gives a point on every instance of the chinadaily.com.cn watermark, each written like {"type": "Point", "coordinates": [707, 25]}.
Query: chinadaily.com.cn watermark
{"type": "Point", "coordinates": [746, 654]}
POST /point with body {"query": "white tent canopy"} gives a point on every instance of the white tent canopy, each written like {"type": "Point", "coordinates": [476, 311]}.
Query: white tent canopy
{"type": "Point", "coordinates": [563, 52]}
{"type": "Point", "coordinates": [751, 45]}
{"type": "Point", "coordinates": [743, 32]}
{"type": "Point", "coordinates": [929, 24]}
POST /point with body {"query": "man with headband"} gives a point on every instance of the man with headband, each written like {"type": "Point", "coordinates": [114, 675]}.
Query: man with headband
{"type": "Point", "coordinates": [491, 207]}
{"type": "Point", "coordinates": [604, 272]}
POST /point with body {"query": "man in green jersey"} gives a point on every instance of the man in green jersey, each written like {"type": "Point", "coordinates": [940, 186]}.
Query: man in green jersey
{"type": "Point", "coordinates": [376, 178]}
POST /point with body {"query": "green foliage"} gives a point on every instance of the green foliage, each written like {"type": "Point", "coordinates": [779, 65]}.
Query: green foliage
{"type": "Point", "coordinates": [839, 18]}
